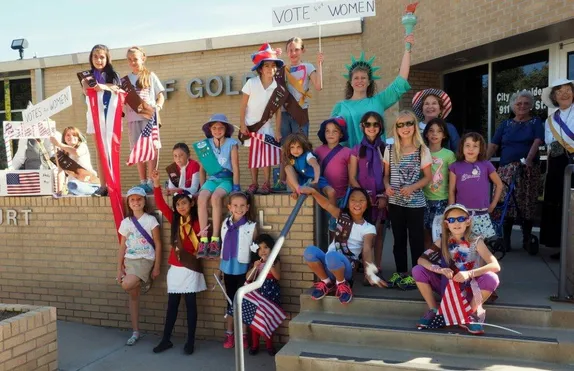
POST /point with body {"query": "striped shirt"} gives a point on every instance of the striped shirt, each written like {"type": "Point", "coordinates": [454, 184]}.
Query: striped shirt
{"type": "Point", "coordinates": [406, 173]}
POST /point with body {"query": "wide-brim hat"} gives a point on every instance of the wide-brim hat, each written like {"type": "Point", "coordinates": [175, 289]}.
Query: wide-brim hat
{"type": "Point", "coordinates": [264, 54]}
{"type": "Point", "coordinates": [218, 117]}
{"type": "Point", "coordinates": [546, 91]}
{"type": "Point", "coordinates": [341, 124]}
{"type": "Point", "coordinates": [420, 97]}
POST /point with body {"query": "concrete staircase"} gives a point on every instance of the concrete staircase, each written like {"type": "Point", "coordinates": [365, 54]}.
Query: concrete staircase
{"type": "Point", "coordinates": [380, 334]}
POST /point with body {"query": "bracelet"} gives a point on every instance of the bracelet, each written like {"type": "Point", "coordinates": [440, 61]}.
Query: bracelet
{"type": "Point", "coordinates": [382, 195]}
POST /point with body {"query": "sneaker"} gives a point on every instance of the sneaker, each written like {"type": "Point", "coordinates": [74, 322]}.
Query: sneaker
{"type": "Point", "coordinates": [344, 292]}
{"type": "Point", "coordinates": [474, 328]}
{"type": "Point", "coordinates": [252, 188]}
{"type": "Point", "coordinates": [163, 346]}
{"type": "Point", "coordinates": [394, 280]}
{"type": "Point", "coordinates": [101, 192]}
{"type": "Point", "coordinates": [146, 286]}
{"type": "Point", "coordinates": [202, 249]}
{"type": "Point", "coordinates": [279, 187]}
{"type": "Point", "coordinates": [407, 282]}
{"type": "Point", "coordinates": [265, 188]}
{"type": "Point", "coordinates": [188, 349]}
{"type": "Point", "coordinates": [322, 289]}
{"type": "Point", "coordinates": [147, 189]}
{"type": "Point", "coordinates": [425, 320]}
{"type": "Point", "coordinates": [229, 341]}
{"type": "Point", "coordinates": [214, 249]}
{"type": "Point", "coordinates": [271, 351]}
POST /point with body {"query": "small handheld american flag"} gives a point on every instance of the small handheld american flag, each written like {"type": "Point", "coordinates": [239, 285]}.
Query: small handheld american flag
{"type": "Point", "coordinates": [454, 308]}
{"type": "Point", "coordinates": [265, 151]}
{"type": "Point", "coordinates": [147, 144]}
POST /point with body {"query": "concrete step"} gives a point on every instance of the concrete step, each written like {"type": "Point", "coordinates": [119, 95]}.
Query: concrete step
{"type": "Point", "coordinates": [541, 316]}
{"type": "Point", "coordinates": [542, 344]}
{"type": "Point", "coordinates": [329, 356]}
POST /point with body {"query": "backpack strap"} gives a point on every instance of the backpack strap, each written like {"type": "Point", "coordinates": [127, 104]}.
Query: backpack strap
{"type": "Point", "coordinates": [142, 231]}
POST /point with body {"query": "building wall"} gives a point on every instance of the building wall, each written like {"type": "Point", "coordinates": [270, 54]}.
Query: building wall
{"type": "Point", "coordinates": [67, 257]}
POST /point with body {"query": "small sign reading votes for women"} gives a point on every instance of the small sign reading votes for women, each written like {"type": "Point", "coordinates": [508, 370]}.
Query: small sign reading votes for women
{"type": "Point", "coordinates": [322, 11]}
{"type": "Point", "coordinates": [47, 107]}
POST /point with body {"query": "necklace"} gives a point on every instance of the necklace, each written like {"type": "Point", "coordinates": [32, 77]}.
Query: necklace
{"type": "Point", "coordinates": [475, 169]}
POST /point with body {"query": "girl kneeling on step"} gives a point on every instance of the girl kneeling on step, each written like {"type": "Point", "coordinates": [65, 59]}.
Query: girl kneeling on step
{"type": "Point", "coordinates": [457, 256]}
{"type": "Point", "coordinates": [354, 236]}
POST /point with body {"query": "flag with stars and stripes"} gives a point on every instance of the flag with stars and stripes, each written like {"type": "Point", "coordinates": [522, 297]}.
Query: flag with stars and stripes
{"type": "Point", "coordinates": [105, 110]}
{"type": "Point", "coordinates": [264, 151]}
{"type": "Point", "coordinates": [261, 314]}
{"type": "Point", "coordinates": [454, 308]}
{"type": "Point", "coordinates": [147, 145]}
{"type": "Point", "coordinates": [23, 183]}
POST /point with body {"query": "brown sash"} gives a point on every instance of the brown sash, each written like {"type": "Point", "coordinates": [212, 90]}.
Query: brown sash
{"type": "Point", "coordinates": [134, 101]}
{"type": "Point", "coordinates": [291, 105]}
{"type": "Point", "coordinates": [74, 169]}
{"type": "Point", "coordinates": [172, 172]}
{"type": "Point", "coordinates": [186, 258]}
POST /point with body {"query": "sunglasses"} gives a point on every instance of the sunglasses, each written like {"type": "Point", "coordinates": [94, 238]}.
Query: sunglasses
{"type": "Point", "coordinates": [369, 124]}
{"type": "Point", "coordinates": [408, 124]}
{"type": "Point", "coordinates": [459, 219]}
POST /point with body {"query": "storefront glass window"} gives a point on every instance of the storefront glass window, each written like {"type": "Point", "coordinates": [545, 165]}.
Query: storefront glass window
{"type": "Point", "coordinates": [570, 68]}
{"type": "Point", "coordinates": [525, 72]}
{"type": "Point", "coordinates": [468, 91]}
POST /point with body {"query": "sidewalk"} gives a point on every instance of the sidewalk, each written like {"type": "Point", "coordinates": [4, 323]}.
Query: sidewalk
{"type": "Point", "coordinates": [92, 348]}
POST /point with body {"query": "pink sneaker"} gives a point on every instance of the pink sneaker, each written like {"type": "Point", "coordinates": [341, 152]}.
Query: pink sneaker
{"type": "Point", "coordinates": [213, 249]}
{"type": "Point", "coordinates": [202, 249]}
{"type": "Point", "coordinates": [229, 341]}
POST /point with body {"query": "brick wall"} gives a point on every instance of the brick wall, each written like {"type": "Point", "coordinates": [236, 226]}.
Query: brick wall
{"type": "Point", "coordinates": [29, 340]}
{"type": "Point", "coordinates": [66, 258]}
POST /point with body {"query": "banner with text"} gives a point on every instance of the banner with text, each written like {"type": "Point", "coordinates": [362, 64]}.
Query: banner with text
{"type": "Point", "coordinates": [322, 11]}
{"type": "Point", "coordinates": [48, 107]}
{"type": "Point", "coordinates": [20, 130]}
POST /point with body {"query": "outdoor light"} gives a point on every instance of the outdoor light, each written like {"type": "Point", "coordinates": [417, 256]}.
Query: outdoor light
{"type": "Point", "coordinates": [20, 45]}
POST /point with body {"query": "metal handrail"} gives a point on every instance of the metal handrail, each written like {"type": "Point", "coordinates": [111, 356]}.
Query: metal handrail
{"type": "Point", "coordinates": [566, 195]}
{"type": "Point", "coordinates": [243, 290]}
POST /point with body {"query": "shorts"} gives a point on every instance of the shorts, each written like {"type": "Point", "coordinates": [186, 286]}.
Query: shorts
{"type": "Point", "coordinates": [434, 208]}
{"type": "Point", "coordinates": [290, 126]}
{"type": "Point", "coordinates": [488, 281]}
{"type": "Point", "coordinates": [224, 183]}
{"type": "Point", "coordinates": [139, 267]}
{"type": "Point", "coordinates": [135, 129]}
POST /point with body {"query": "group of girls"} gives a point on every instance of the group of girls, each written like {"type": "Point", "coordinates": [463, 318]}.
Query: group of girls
{"type": "Point", "coordinates": [410, 183]}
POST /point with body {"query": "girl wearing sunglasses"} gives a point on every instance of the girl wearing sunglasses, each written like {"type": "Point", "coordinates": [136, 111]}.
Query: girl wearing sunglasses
{"type": "Point", "coordinates": [407, 170]}
{"type": "Point", "coordinates": [366, 171]}
{"type": "Point", "coordinates": [457, 256]}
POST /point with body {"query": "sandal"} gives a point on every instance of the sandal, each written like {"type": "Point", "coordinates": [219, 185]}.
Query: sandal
{"type": "Point", "coordinates": [133, 339]}
{"type": "Point", "coordinates": [253, 188]}
{"type": "Point", "coordinates": [265, 189]}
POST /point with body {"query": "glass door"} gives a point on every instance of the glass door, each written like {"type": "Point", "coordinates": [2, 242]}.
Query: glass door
{"type": "Point", "coordinates": [567, 61]}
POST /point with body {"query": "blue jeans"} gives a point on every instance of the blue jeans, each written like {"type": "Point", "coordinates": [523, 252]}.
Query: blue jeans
{"type": "Point", "coordinates": [332, 260]}
{"type": "Point", "coordinates": [78, 188]}
{"type": "Point", "coordinates": [290, 126]}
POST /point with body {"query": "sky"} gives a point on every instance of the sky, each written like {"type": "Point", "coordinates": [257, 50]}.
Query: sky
{"type": "Point", "coordinates": [69, 26]}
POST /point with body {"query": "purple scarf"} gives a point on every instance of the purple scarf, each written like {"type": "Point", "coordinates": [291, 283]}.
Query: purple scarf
{"type": "Point", "coordinates": [231, 241]}
{"type": "Point", "coordinates": [99, 76]}
{"type": "Point", "coordinates": [374, 163]}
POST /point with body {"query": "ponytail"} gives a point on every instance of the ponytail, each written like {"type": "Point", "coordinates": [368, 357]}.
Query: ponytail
{"type": "Point", "coordinates": [144, 76]}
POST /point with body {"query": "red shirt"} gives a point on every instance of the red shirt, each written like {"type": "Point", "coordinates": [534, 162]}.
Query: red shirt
{"type": "Point", "coordinates": [168, 213]}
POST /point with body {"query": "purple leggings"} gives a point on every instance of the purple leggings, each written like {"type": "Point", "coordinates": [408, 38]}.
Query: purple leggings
{"type": "Point", "coordinates": [488, 281]}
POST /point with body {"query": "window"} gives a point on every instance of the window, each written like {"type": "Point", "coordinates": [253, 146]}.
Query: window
{"type": "Point", "coordinates": [526, 72]}
{"type": "Point", "coordinates": [570, 66]}
{"type": "Point", "coordinates": [20, 91]}
{"type": "Point", "coordinates": [468, 91]}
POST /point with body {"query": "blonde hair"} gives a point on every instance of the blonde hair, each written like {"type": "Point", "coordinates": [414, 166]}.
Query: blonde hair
{"type": "Point", "coordinates": [417, 138]}
{"type": "Point", "coordinates": [295, 40]}
{"type": "Point", "coordinates": [144, 76]}
{"type": "Point", "coordinates": [446, 235]}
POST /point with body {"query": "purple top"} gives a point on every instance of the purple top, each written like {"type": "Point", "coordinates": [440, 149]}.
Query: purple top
{"type": "Point", "coordinates": [473, 183]}
{"type": "Point", "coordinates": [336, 172]}
{"type": "Point", "coordinates": [364, 176]}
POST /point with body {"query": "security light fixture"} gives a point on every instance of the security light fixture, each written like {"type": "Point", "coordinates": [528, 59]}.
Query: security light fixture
{"type": "Point", "coordinates": [20, 45]}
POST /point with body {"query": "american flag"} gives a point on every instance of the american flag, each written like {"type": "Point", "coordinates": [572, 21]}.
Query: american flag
{"type": "Point", "coordinates": [454, 308]}
{"type": "Point", "coordinates": [23, 183]}
{"type": "Point", "coordinates": [147, 144]}
{"type": "Point", "coordinates": [263, 315]}
{"type": "Point", "coordinates": [105, 110]}
{"type": "Point", "coordinates": [264, 151]}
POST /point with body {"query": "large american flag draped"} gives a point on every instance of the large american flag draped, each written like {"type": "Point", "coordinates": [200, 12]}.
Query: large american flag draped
{"type": "Point", "coordinates": [147, 145]}
{"type": "Point", "coordinates": [264, 151]}
{"type": "Point", "coordinates": [23, 183]}
{"type": "Point", "coordinates": [454, 308]}
{"type": "Point", "coordinates": [263, 315]}
{"type": "Point", "coordinates": [106, 108]}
